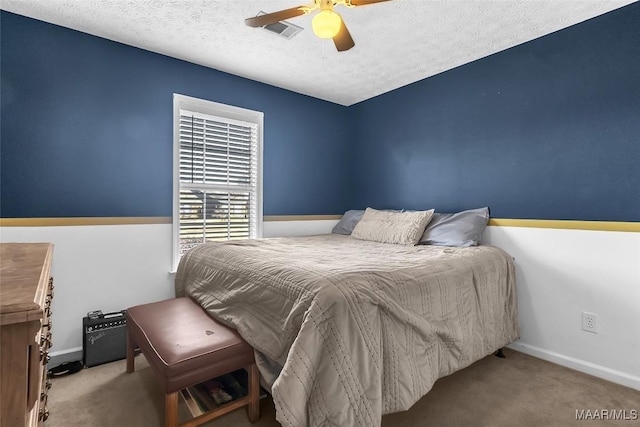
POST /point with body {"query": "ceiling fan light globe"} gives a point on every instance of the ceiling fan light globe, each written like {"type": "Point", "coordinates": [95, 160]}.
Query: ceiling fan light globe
{"type": "Point", "coordinates": [326, 24]}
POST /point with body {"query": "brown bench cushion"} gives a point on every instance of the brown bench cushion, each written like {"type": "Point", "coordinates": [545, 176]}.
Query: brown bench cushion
{"type": "Point", "coordinates": [183, 344]}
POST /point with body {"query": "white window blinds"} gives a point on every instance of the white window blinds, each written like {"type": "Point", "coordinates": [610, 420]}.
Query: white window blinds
{"type": "Point", "coordinates": [218, 179]}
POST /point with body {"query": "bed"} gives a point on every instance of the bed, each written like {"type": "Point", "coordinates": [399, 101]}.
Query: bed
{"type": "Point", "coordinates": [346, 330]}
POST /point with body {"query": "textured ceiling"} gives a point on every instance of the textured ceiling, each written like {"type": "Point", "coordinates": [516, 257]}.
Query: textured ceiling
{"type": "Point", "coordinates": [397, 42]}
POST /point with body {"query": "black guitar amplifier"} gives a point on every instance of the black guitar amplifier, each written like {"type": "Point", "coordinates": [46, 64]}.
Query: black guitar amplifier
{"type": "Point", "coordinates": [104, 337]}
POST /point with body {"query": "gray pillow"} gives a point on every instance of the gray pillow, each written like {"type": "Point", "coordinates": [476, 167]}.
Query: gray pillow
{"type": "Point", "coordinates": [348, 222]}
{"type": "Point", "coordinates": [456, 229]}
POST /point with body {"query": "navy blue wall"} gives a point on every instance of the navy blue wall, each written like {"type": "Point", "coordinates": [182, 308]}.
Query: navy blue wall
{"type": "Point", "coordinates": [86, 129]}
{"type": "Point", "coordinates": [549, 129]}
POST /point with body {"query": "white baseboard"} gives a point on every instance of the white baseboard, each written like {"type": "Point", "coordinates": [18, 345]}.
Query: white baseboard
{"type": "Point", "coordinates": [579, 365]}
{"type": "Point", "coordinates": [70, 355]}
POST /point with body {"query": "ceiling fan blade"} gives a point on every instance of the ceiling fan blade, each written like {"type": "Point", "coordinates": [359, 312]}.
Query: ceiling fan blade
{"type": "Point", "coordinates": [365, 2]}
{"type": "Point", "coordinates": [343, 39]}
{"type": "Point", "coordinates": [272, 18]}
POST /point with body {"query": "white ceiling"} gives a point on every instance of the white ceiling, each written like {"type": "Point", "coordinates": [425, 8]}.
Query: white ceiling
{"type": "Point", "coordinates": [397, 42]}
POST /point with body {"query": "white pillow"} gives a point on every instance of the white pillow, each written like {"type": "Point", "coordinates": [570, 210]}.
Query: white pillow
{"type": "Point", "coordinates": [402, 228]}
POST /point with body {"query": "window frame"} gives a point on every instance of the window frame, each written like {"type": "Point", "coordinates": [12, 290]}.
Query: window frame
{"type": "Point", "coordinates": [183, 102]}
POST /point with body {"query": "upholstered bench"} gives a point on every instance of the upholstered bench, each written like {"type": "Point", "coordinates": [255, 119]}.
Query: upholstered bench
{"type": "Point", "coordinates": [185, 346]}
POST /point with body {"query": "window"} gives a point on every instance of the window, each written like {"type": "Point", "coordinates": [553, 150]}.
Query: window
{"type": "Point", "coordinates": [217, 173]}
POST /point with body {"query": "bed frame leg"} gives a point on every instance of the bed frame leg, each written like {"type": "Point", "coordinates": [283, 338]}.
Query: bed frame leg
{"type": "Point", "coordinates": [500, 354]}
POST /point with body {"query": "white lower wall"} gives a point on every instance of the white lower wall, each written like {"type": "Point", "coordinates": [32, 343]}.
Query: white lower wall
{"type": "Point", "coordinates": [560, 274]}
{"type": "Point", "coordinates": [112, 267]}
{"type": "Point", "coordinates": [108, 268]}
{"type": "Point", "coordinates": [297, 228]}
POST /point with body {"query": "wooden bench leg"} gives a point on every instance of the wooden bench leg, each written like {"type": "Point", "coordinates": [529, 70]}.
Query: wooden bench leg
{"type": "Point", "coordinates": [130, 354]}
{"type": "Point", "coordinates": [253, 410]}
{"type": "Point", "coordinates": [171, 409]}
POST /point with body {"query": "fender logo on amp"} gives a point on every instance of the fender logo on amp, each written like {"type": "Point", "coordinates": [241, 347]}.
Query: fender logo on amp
{"type": "Point", "coordinates": [104, 337]}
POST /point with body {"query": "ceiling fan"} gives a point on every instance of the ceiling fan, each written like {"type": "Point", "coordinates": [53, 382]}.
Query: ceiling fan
{"type": "Point", "coordinates": [327, 24]}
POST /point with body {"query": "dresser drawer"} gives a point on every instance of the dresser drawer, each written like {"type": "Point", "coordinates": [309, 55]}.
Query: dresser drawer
{"type": "Point", "coordinates": [26, 292]}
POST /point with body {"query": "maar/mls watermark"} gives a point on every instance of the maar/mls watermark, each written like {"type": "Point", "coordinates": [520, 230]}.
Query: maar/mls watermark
{"type": "Point", "coordinates": [607, 414]}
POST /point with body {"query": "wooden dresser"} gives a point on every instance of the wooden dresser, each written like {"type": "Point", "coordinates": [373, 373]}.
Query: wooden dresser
{"type": "Point", "coordinates": [26, 290]}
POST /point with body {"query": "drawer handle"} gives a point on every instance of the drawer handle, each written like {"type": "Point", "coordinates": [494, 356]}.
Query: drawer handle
{"type": "Point", "coordinates": [43, 414]}
{"type": "Point", "coordinates": [45, 341]}
{"type": "Point", "coordinates": [50, 293]}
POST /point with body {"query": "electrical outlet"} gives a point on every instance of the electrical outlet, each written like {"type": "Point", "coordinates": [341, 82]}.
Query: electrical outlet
{"type": "Point", "coordinates": [590, 322]}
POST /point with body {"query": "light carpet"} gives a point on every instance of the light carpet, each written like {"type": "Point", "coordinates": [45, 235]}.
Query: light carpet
{"type": "Point", "coordinates": [519, 391]}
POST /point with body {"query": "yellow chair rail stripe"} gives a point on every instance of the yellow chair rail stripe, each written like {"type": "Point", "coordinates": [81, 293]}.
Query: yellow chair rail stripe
{"type": "Point", "coordinates": [68, 221]}
{"type": "Point", "coordinates": [494, 222]}
{"type": "Point", "coordinates": [566, 224]}
{"type": "Point", "coordinates": [301, 217]}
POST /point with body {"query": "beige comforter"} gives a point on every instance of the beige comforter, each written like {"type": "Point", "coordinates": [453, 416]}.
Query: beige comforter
{"type": "Point", "coordinates": [347, 330]}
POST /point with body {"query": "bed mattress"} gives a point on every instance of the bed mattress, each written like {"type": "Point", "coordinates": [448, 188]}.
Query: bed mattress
{"type": "Point", "coordinates": [347, 330]}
